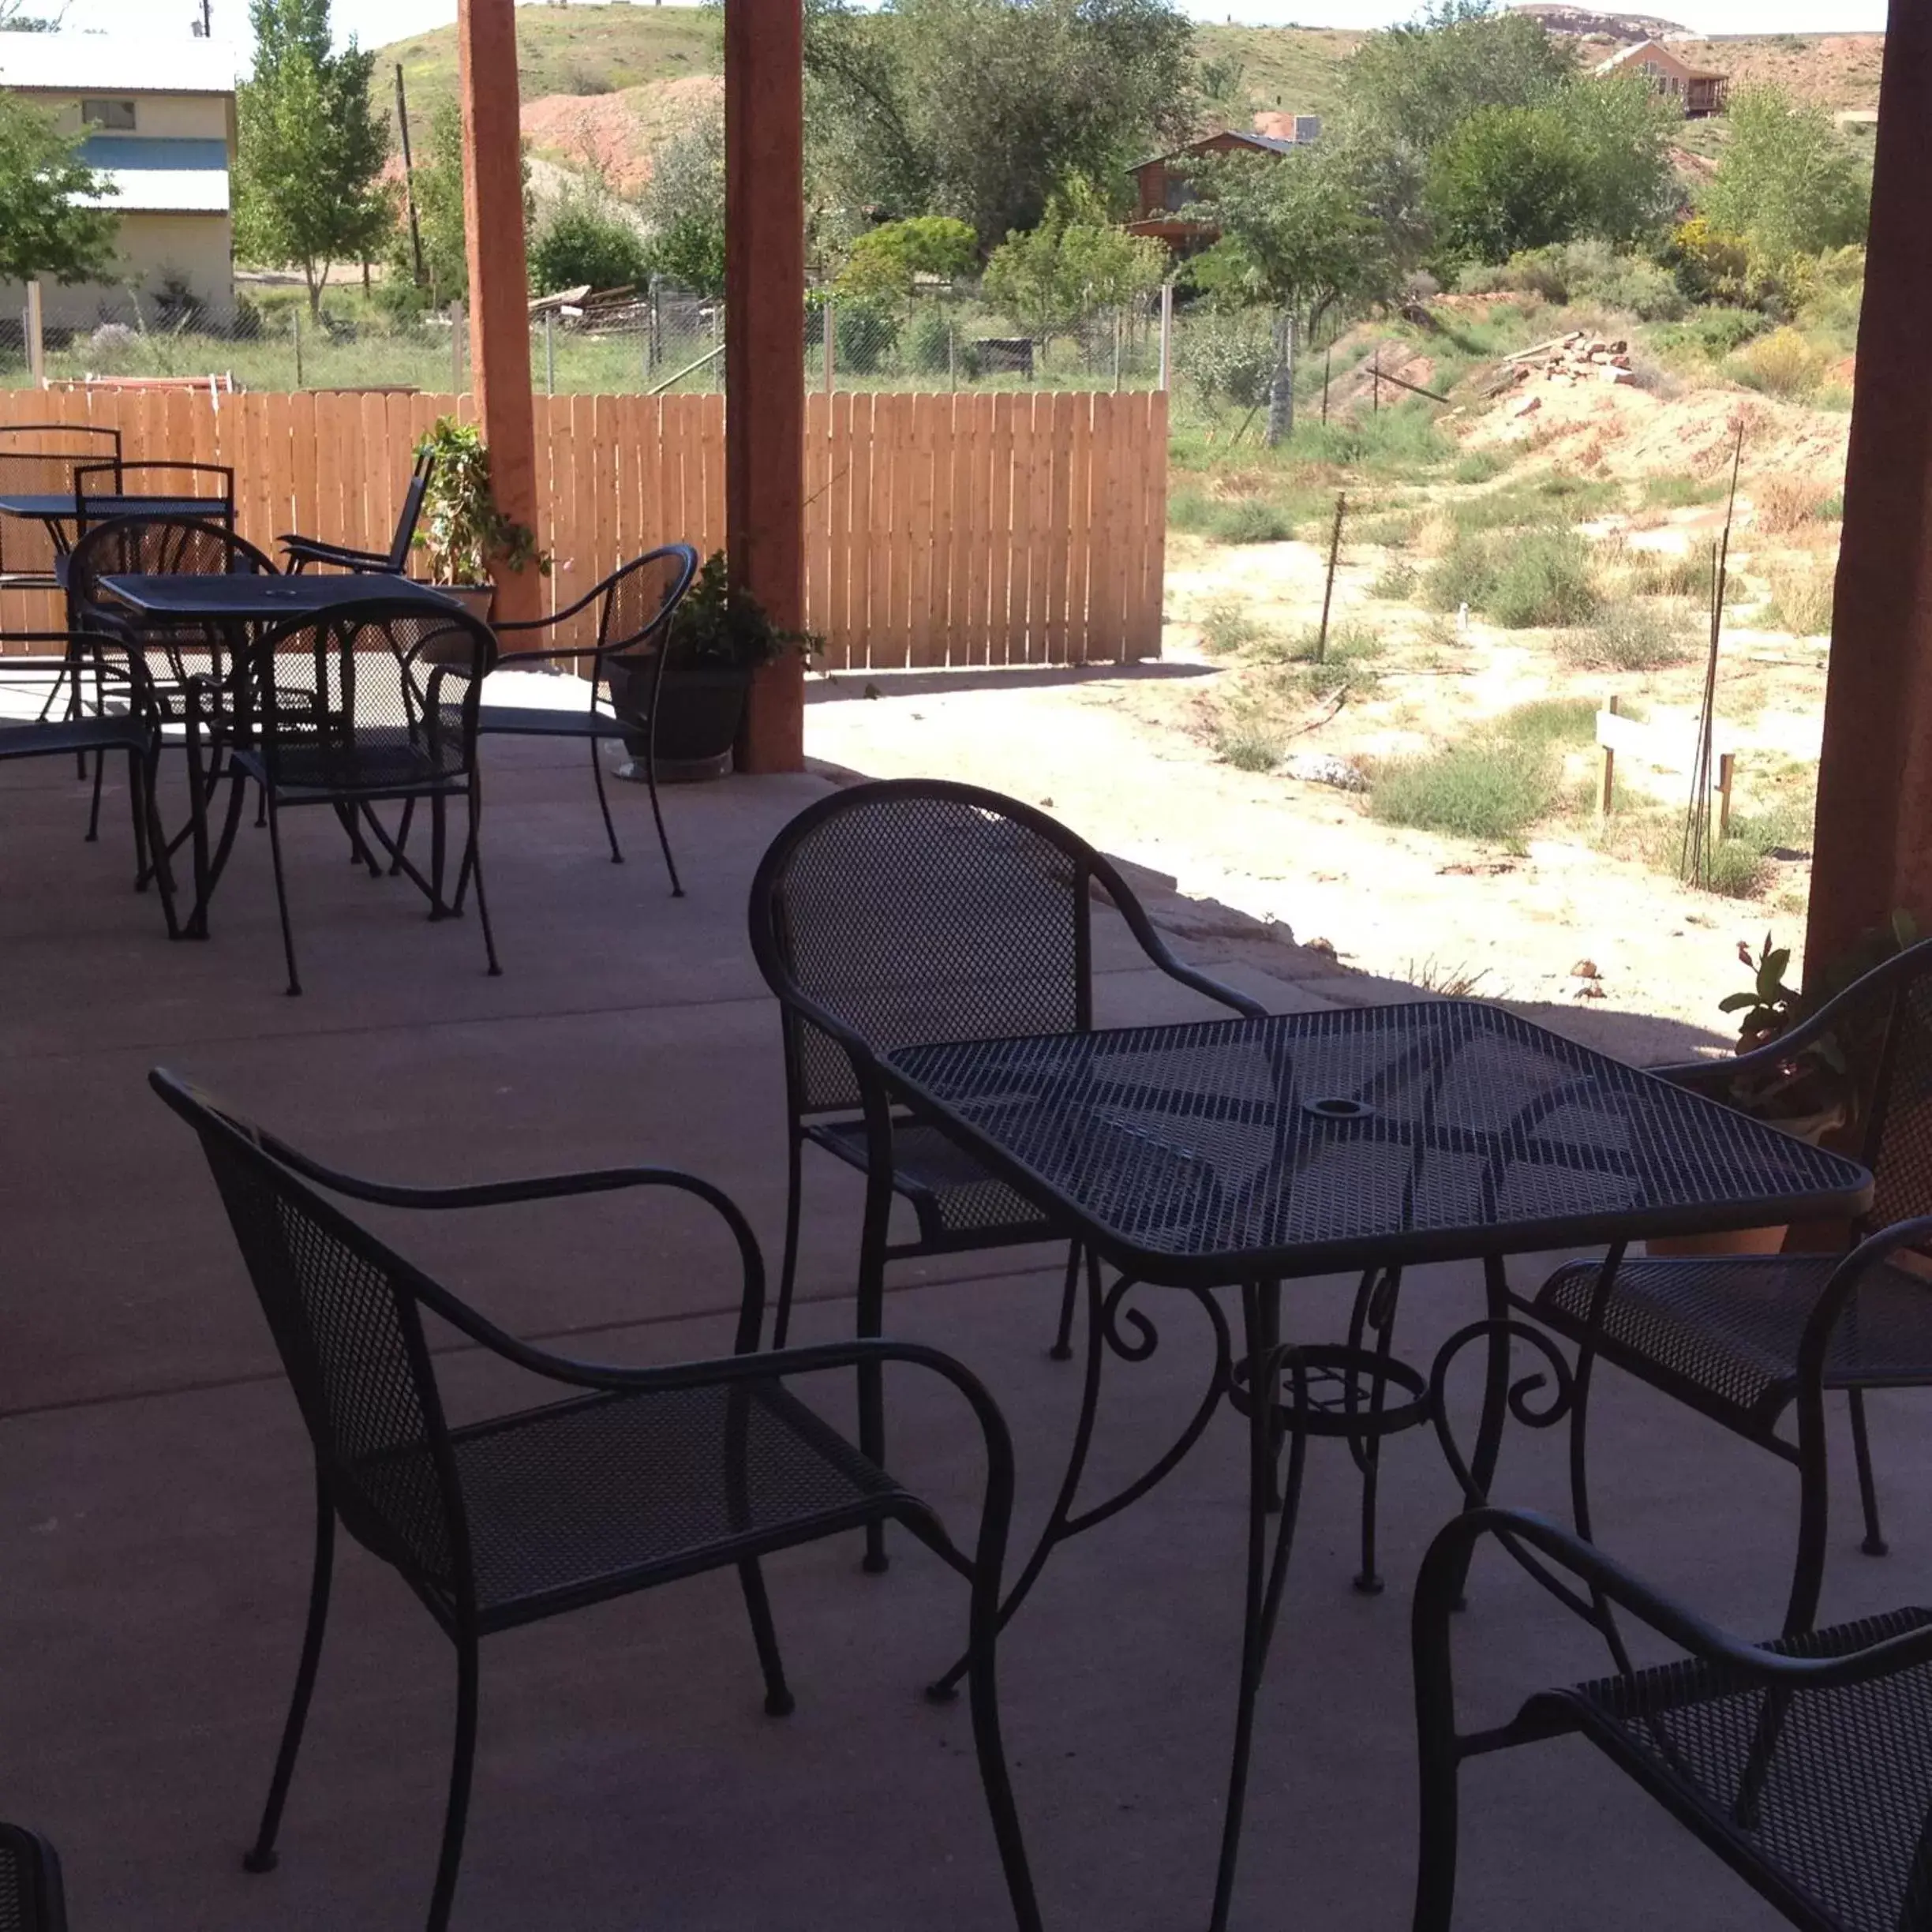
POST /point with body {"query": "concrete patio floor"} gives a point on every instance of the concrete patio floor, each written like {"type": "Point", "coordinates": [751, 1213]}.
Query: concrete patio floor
{"type": "Point", "coordinates": [155, 1487]}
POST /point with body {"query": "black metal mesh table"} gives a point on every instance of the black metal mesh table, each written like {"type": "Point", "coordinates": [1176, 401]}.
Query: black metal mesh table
{"type": "Point", "coordinates": [1245, 1152]}
{"type": "Point", "coordinates": [1233, 1150]}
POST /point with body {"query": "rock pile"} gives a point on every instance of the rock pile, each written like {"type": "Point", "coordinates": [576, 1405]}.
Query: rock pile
{"type": "Point", "coordinates": [1577, 357]}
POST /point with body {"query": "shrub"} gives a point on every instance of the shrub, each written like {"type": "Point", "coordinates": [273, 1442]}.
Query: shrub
{"type": "Point", "coordinates": [1589, 270]}
{"type": "Point", "coordinates": [1712, 332]}
{"type": "Point", "coordinates": [1786, 502]}
{"type": "Point", "coordinates": [1544, 578]}
{"type": "Point", "coordinates": [1487, 788]}
{"type": "Point", "coordinates": [585, 242]}
{"type": "Point", "coordinates": [927, 345]}
{"type": "Point", "coordinates": [1228, 359]}
{"type": "Point", "coordinates": [1396, 580]}
{"type": "Point", "coordinates": [1477, 466]}
{"type": "Point", "coordinates": [1628, 637]}
{"type": "Point", "coordinates": [1550, 721]}
{"type": "Point", "coordinates": [1248, 742]}
{"type": "Point", "coordinates": [1678, 492]}
{"type": "Point", "coordinates": [1782, 364]}
{"type": "Point", "coordinates": [1462, 575]}
{"type": "Point", "coordinates": [1250, 519]}
{"type": "Point", "coordinates": [1737, 870]}
{"type": "Point", "coordinates": [1227, 625]}
{"type": "Point", "coordinates": [1801, 599]}
{"type": "Point", "coordinates": [1671, 573]}
{"type": "Point", "coordinates": [1395, 531]}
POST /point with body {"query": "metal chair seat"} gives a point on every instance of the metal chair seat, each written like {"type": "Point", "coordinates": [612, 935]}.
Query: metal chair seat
{"type": "Point", "coordinates": [1823, 1796]}
{"type": "Point", "coordinates": [45, 738]}
{"type": "Point", "coordinates": [1722, 1333]}
{"type": "Point", "coordinates": [378, 763]}
{"type": "Point", "coordinates": [582, 1500]}
{"type": "Point", "coordinates": [958, 1202]}
{"type": "Point", "coordinates": [548, 721]}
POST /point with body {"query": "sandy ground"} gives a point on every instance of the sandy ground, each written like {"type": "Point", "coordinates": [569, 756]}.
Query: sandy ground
{"type": "Point", "coordinates": [1094, 750]}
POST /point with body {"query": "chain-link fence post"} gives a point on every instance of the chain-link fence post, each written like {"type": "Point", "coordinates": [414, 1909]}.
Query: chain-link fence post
{"type": "Point", "coordinates": [295, 330]}
{"type": "Point", "coordinates": [831, 344]}
{"type": "Point", "coordinates": [1166, 337]}
{"type": "Point", "coordinates": [456, 347]}
{"type": "Point", "coordinates": [36, 337]}
{"type": "Point", "coordinates": [549, 323]}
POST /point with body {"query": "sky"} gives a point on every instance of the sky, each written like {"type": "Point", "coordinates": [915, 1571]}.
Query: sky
{"type": "Point", "coordinates": [376, 22]}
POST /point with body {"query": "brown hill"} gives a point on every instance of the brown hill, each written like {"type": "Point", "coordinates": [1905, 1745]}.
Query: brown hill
{"type": "Point", "coordinates": [613, 135]}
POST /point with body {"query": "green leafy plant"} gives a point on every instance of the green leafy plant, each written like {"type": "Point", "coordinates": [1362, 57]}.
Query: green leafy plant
{"type": "Point", "coordinates": [586, 240]}
{"type": "Point", "coordinates": [719, 628]}
{"type": "Point", "coordinates": [462, 530]}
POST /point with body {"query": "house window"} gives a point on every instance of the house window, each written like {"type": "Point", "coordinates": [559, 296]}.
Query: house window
{"type": "Point", "coordinates": [117, 115]}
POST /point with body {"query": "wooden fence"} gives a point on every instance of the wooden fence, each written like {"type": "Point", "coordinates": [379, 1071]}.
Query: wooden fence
{"type": "Point", "coordinates": [1011, 528]}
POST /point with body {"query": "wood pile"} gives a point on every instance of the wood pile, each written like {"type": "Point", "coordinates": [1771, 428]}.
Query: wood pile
{"type": "Point", "coordinates": [1577, 357]}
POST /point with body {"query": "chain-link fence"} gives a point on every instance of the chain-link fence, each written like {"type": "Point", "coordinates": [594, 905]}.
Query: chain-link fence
{"type": "Point", "coordinates": [659, 340]}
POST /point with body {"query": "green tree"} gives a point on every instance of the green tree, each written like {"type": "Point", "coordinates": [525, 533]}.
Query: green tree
{"type": "Point", "coordinates": [437, 184]}
{"type": "Point", "coordinates": [1414, 85]}
{"type": "Point", "coordinates": [1787, 181]}
{"type": "Point", "coordinates": [1622, 128]}
{"type": "Point", "coordinates": [985, 109]}
{"type": "Point", "coordinates": [683, 206]}
{"type": "Point", "coordinates": [46, 226]}
{"type": "Point", "coordinates": [310, 147]}
{"type": "Point", "coordinates": [1298, 235]}
{"type": "Point", "coordinates": [1050, 278]}
{"type": "Point", "coordinates": [886, 261]}
{"type": "Point", "coordinates": [586, 239]}
{"type": "Point", "coordinates": [1507, 178]}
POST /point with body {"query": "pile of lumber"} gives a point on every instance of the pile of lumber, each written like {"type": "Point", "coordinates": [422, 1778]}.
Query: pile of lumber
{"type": "Point", "coordinates": [1577, 357]}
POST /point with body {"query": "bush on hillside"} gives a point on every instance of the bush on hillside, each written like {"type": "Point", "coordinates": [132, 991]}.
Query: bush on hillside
{"type": "Point", "coordinates": [1589, 271]}
{"type": "Point", "coordinates": [586, 242]}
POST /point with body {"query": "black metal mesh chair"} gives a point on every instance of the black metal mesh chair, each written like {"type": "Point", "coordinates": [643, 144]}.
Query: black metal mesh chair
{"type": "Point", "coordinates": [1805, 1763]}
{"type": "Point", "coordinates": [209, 483]}
{"type": "Point", "coordinates": [126, 719]}
{"type": "Point", "coordinates": [634, 606]}
{"type": "Point", "coordinates": [312, 552]}
{"type": "Point", "coordinates": [374, 703]}
{"type": "Point", "coordinates": [39, 459]}
{"type": "Point", "coordinates": [639, 1477]}
{"type": "Point", "coordinates": [1747, 1339]}
{"type": "Point", "coordinates": [914, 910]}
{"type": "Point", "coordinates": [31, 1897]}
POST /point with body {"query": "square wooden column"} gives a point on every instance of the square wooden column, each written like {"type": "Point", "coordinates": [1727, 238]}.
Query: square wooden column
{"type": "Point", "coordinates": [764, 352]}
{"type": "Point", "coordinates": [1872, 851]}
{"type": "Point", "coordinates": [499, 355]}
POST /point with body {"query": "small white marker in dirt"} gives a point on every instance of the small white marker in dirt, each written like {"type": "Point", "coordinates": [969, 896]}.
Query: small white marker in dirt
{"type": "Point", "coordinates": [1462, 619]}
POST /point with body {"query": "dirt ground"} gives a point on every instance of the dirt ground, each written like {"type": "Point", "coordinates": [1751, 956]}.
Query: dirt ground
{"type": "Point", "coordinates": [1134, 756]}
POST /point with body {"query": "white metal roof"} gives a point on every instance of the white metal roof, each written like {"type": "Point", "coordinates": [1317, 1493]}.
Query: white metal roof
{"type": "Point", "coordinates": [163, 191]}
{"type": "Point", "coordinates": [116, 63]}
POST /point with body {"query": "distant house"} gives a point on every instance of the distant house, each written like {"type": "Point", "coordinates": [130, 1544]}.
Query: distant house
{"type": "Point", "coordinates": [160, 122]}
{"type": "Point", "coordinates": [1163, 192]}
{"type": "Point", "coordinates": [1699, 92]}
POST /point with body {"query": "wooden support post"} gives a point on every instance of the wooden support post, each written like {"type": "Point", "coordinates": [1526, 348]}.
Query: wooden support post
{"type": "Point", "coordinates": [1726, 769]}
{"type": "Point", "coordinates": [1606, 789]}
{"type": "Point", "coordinates": [764, 300]}
{"type": "Point", "coordinates": [36, 337]}
{"type": "Point", "coordinates": [499, 351]}
{"type": "Point", "coordinates": [1872, 851]}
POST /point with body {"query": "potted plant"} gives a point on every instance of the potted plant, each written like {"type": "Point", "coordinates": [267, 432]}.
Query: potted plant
{"type": "Point", "coordinates": [1817, 1090]}
{"type": "Point", "coordinates": [461, 530]}
{"type": "Point", "coordinates": [719, 638]}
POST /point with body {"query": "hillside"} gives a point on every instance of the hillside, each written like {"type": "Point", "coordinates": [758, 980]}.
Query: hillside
{"type": "Point", "coordinates": [605, 82]}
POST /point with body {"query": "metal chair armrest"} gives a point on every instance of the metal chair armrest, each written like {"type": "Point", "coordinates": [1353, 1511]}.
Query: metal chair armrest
{"type": "Point", "coordinates": [1440, 1581]}
{"type": "Point", "coordinates": [1159, 953]}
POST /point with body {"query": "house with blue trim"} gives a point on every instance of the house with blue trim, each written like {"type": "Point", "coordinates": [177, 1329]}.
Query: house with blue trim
{"type": "Point", "coordinates": [158, 120]}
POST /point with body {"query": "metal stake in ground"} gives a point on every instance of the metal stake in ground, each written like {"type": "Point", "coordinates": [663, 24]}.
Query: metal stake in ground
{"type": "Point", "coordinates": [1696, 841]}
{"type": "Point", "coordinates": [1334, 553]}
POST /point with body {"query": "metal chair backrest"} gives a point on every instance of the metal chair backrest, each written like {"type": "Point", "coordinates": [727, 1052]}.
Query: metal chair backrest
{"type": "Point", "coordinates": [370, 679]}
{"type": "Point", "coordinates": [636, 602]}
{"type": "Point", "coordinates": [345, 1311]}
{"type": "Point", "coordinates": [137, 546]}
{"type": "Point", "coordinates": [1891, 1045]}
{"type": "Point", "coordinates": [39, 459]}
{"type": "Point", "coordinates": [210, 483]}
{"type": "Point", "coordinates": [410, 513]}
{"type": "Point", "coordinates": [917, 910]}
{"type": "Point", "coordinates": [31, 1897]}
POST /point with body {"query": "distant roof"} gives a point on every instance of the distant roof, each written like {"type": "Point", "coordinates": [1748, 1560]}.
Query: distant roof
{"type": "Point", "coordinates": [1624, 55]}
{"type": "Point", "coordinates": [81, 63]}
{"type": "Point", "coordinates": [1273, 143]}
